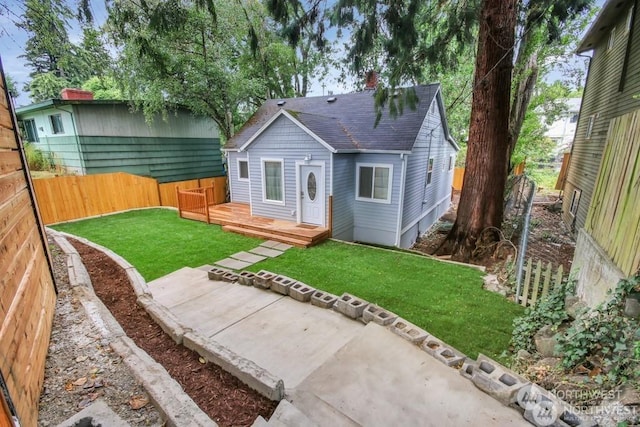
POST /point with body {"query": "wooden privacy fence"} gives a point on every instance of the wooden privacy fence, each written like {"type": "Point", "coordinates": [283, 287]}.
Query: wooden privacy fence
{"type": "Point", "coordinates": [194, 204]}
{"type": "Point", "coordinates": [458, 175]}
{"type": "Point", "coordinates": [66, 198]}
{"type": "Point", "coordinates": [538, 281]}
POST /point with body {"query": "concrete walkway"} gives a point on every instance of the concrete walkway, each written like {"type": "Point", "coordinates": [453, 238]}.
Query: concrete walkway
{"type": "Point", "coordinates": [242, 260]}
{"type": "Point", "coordinates": [336, 371]}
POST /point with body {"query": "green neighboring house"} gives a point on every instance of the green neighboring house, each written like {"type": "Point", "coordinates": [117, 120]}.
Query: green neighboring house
{"type": "Point", "coordinates": [87, 137]}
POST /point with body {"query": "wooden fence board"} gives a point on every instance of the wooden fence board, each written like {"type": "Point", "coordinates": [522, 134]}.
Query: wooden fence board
{"type": "Point", "coordinates": [537, 282]}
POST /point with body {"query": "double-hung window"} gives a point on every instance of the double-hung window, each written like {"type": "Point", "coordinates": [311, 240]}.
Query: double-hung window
{"type": "Point", "coordinates": [56, 124]}
{"type": "Point", "coordinates": [243, 170]}
{"type": "Point", "coordinates": [373, 182]}
{"type": "Point", "coordinates": [273, 180]}
{"type": "Point", "coordinates": [31, 130]}
{"type": "Point", "coordinates": [430, 171]}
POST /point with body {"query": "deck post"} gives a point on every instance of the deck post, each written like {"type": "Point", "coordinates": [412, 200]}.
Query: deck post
{"type": "Point", "coordinates": [206, 204]}
{"type": "Point", "coordinates": [178, 200]}
{"type": "Point", "coordinates": [330, 216]}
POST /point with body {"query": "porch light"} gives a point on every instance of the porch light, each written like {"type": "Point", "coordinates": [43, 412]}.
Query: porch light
{"type": "Point", "coordinates": [308, 158]}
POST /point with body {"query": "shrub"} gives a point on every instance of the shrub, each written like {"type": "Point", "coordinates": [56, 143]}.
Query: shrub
{"type": "Point", "coordinates": [36, 158]}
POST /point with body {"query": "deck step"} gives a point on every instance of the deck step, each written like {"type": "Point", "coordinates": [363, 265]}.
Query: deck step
{"type": "Point", "coordinates": [293, 234]}
{"type": "Point", "coordinates": [269, 236]}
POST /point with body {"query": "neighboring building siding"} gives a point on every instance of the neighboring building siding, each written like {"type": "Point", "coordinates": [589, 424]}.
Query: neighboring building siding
{"type": "Point", "coordinates": [284, 140]}
{"type": "Point", "coordinates": [239, 189]}
{"type": "Point", "coordinates": [64, 146]}
{"type": "Point", "coordinates": [601, 97]}
{"type": "Point", "coordinates": [377, 222]}
{"type": "Point", "coordinates": [344, 196]}
{"type": "Point", "coordinates": [165, 159]}
{"type": "Point", "coordinates": [424, 204]}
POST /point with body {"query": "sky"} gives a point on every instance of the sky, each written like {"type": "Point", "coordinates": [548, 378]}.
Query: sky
{"type": "Point", "coordinates": [13, 39]}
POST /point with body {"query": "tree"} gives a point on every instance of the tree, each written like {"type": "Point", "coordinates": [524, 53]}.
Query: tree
{"type": "Point", "coordinates": [11, 86]}
{"type": "Point", "coordinates": [105, 87]}
{"type": "Point", "coordinates": [220, 60]}
{"type": "Point", "coordinates": [45, 86]}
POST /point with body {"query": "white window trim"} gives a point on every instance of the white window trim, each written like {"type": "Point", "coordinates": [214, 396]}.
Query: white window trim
{"type": "Point", "coordinates": [264, 181]}
{"type": "Point", "coordinates": [590, 124]}
{"type": "Point", "coordinates": [611, 42]}
{"type": "Point", "coordinates": [389, 166]}
{"type": "Point", "coordinates": [575, 201]}
{"type": "Point", "coordinates": [53, 131]}
{"type": "Point", "coordinates": [238, 166]}
{"type": "Point", "coordinates": [429, 163]}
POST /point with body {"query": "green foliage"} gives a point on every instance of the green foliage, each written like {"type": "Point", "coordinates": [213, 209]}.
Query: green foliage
{"type": "Point", "coordinates": [37, 160]}
{"type": "Point", "coordinates": [605, 333]}
{"type": "Point", "coordinates": [46, 86]}
{"type": "Point", "coordinates": [445, 299]}
{"type": "Point", "coordinates": [177, 53]}
{"type": "Point", "coordinates": [103, 88]}
{"type": "Point", "coordinates": [548, 311]}
{"type": "Point", "coordinates": [12, 88]}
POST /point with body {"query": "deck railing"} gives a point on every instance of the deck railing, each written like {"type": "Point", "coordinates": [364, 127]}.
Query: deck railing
{"type": "Point", "coordinates": [194, 203]}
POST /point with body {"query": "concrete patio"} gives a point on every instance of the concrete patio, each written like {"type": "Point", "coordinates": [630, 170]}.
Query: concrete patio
{"type": "Point", "coordinates": [336, 371]}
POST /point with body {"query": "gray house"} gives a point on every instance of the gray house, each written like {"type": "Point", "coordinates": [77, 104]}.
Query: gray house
{"type": "Point", "coordinates": [87, 137]}
{"type": "Point", "coordinates": [324, 161]}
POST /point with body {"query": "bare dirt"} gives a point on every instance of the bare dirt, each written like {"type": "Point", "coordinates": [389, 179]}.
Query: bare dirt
{"type": "Point", "coordinates": [549, 238]}
{"type": "Point", "coordinates": [219, 394]}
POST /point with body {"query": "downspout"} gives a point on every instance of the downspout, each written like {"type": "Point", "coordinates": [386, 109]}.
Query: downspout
{"type": "Point", "coordinates": [403, 179]}
{"type": "Point", "coordinates": [77, 138]}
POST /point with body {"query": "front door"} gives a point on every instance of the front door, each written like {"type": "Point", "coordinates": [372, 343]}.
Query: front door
{"type": "Point", "coordinates": [312, 194]}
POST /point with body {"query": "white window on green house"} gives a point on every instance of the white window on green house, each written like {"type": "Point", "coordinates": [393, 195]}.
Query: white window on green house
{"type": "Point", "coordinates": [612, 39]}
{"type": "Point", "coordinates": [273, 180]}
{"type": "Point", "coordinates": [575, 201]}
{"type": "Point", "coordinates": [373, 182]}
{"type": "Point", "coordinates": [243, 170]}
{"type": "Point", "coordinates": [451, 161]}
{"type": "Point", "coordinates": [56, 124]}
{"type": "Point", "coordinates": [629, 20]}
{"type": "Point", "coordinates": [31, 130]}
{"type": "Point", "coordinates": [430, 171]}
{"type": "Point", "coordinates": [590, 124]}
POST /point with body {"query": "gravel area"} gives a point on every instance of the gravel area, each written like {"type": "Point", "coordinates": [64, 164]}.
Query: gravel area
{"type": "Point", "coordinates": [81, 367]}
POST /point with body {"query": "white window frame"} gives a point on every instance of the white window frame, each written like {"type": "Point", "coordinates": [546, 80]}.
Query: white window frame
{"type": "Point", "coordinates": [575, 202]}
{"type": "Point", "coordinates": [389, 166]}
{"type": "Point", "coordinates": [629, 20]}
{"type": "Point", "coordinates": [590, 124]}
{"type": "Point", "coordinates": [430, 167]}
{"type": "Point", "coordinates": [612, 40]}
{"type": "Point", "coordinates": [51, 119]}
{"type": "Point", "coordinates": [240, 178]}
{"type": "Point", "coordinates": [31, 123]}
{"type": "Point", "coordinates": [264, 181]}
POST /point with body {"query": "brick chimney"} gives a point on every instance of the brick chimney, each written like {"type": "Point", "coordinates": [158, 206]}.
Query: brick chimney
{"type": "Point", "coordinates": [71, 94]}
{"type": "Point", "coordinates": [371, 80]}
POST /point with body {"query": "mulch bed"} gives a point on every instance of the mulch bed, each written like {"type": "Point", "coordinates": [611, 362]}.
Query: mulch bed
{"type": "Point", "coordinates": [219, 394]}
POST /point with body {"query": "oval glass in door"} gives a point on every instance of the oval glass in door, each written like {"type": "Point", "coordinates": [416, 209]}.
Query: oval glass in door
{"type": "Point", "coordinates": [311, 186]}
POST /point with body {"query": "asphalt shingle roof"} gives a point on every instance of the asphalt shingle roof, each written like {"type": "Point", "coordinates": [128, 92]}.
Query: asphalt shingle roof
{"type": "Point", "coordinates": [348, 123]}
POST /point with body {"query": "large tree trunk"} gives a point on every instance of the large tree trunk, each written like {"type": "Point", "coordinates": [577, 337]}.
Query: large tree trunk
{"type": "Point", "coordinates": [481, 202]}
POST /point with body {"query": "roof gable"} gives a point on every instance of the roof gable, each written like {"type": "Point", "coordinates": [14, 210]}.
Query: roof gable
{"type": "Point", "coordinates": [344, 123]}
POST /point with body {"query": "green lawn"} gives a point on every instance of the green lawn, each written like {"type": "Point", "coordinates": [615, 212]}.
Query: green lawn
{"type": "Point", "coordinates": [445, 299]}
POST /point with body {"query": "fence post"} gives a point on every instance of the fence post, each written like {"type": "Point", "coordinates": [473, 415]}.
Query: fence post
{"type": "Point", "coordinates": [206, 204]}
{"type": "Point", "coordinates": [178, 201]}
{"type": "Point", "coordinates": [525, 293]}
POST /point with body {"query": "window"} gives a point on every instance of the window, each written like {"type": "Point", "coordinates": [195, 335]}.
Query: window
{"type": "Point", "coordinates": [592, 119]}
{"type": "Point", "coordinates": [573, 118]}
{"type": "Point", "coordinates": [243, 170]}
{"type": "Point", "coordinates": [612, 39]}
{"type": "Point", "coordinates": [273, 180]}
{"type": "Point", "coordinates": [31, 130]}
{"type": "Point", "coordinates": [374, 182]}
{"type": "Point", "coordinates": [56, 124]}
{"type": "Point", "coordinates": [451, 161]}
{"type": "Point", "coordinates": [575, 201]}
{"type": "Point", "coordinates": [629, 20]}
{"type": "Point", "coordinates": [430, 171]}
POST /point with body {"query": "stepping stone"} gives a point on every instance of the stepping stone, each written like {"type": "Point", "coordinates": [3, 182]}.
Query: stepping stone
{"type": "Point", "coordinates": [269, 243]}
{"type": "Point", "coordinates": [247, 257]}
{"type": "Point", "coordinates": [272, 244]}
{"type": "Point", "coordinates": [261, 250]}
{"type": "Point", "coordinates": [233, 264]}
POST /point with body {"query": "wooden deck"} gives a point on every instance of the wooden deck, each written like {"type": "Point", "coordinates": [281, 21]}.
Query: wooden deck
{"type": "Point", "coordinates": [236, 217]}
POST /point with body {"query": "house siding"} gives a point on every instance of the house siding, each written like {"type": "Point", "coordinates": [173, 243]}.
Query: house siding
{"type": "Point", "coordinates": [284, 140]}
{"type": "Point", "coordinates": [421, 200]}
{"type": "Point", "coordinates": [63, 146]}
{"type": "Point", "coordinates": [603, 97]}
{"type": "Point", "coordinates": [239, 189]}
{"type": "Point", "coordinates": [377, 222]}
{"type": "Point", "coordinates": [344, 196]}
